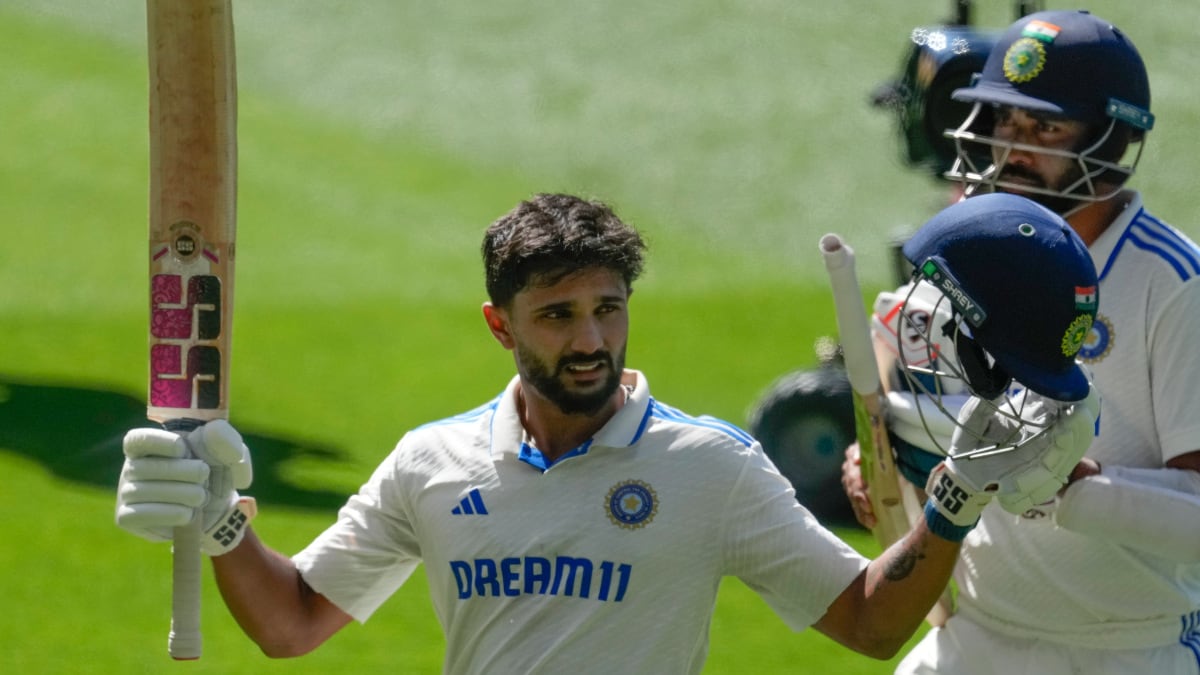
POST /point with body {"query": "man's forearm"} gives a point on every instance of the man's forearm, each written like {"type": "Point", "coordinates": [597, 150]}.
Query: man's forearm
{"type": "Point", "coordinates": [271, 602]}
{"type": "Point", "coordinates": [1153, 510]}
{"type": "Point", "coordinates": [885, 604]}
{"type": "Point", "coordinates": [905, 581]}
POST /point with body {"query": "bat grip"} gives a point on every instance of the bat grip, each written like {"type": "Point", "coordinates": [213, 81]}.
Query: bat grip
{"type": "Point", "coordinates": [855, 332]}
{"type": "Point", "coordinates": [184, 641]}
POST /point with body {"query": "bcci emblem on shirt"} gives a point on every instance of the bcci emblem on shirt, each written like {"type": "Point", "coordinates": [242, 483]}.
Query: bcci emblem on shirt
{"type": "Point", "coordinates": [631, 504]}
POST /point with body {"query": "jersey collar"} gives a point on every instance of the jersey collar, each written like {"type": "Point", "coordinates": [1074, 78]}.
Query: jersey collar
{"type": "Point", "coordinates": [623, 430]}
{"type": "Point", "coordinates": [1105, 246]}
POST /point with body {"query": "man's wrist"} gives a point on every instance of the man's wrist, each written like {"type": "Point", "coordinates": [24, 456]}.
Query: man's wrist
{"type": "Point", "coordinates": [1086, 467]}
{"type": "Point", "coordinates": [954, 497]}
{"type": "Point", "coordinates": [225, 534]}
{"type": "Point", "coordinates": [941, 526]}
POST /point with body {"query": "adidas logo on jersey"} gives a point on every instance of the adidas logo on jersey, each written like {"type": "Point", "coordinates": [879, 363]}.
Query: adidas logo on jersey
{"type": "Point", "coordinates": [471, 505]}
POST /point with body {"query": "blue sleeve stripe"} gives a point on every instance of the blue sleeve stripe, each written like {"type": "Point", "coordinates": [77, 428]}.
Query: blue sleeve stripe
{"type": "Point", "coordinates": [1151, 234]}
{"type": "Point", "coordinates": [1189, 637]}
{"type": "Point", "coordinates": [1154, 236]}
{"type": "Point", "coordinates": [1177, 265]}
{"type": "Point", "coordinates": [469, 416]}
{"type": "Point", "coordinates": [668, 413]}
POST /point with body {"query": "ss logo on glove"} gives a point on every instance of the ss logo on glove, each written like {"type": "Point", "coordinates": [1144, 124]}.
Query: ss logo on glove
{"type": "Point", "coordinates": [227, 533]}
{"type": "Point", "coordinates": [949, 495]}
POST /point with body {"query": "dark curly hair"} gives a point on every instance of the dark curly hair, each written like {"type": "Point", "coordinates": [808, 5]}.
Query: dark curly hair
{"type": "Point", "coordinates": [551, 236]}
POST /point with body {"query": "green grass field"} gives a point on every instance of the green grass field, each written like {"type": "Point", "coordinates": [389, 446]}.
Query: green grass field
{"type": "Point", "coordinates": [376, 141]}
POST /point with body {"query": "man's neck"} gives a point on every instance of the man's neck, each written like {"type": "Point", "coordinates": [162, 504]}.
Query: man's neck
{"type": "Point", "coordinates": [1092, 220]}
{"type": "Point", "coordinates": [556, 433]}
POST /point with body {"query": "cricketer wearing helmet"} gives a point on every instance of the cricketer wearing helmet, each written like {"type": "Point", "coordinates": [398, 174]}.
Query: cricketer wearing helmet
{"type": "Point", "coordinates": [954, 342]}
{"type": "Point", "coordinates": [1063, 88]}
{"type": "Point", "coordinates": [1104, 577]}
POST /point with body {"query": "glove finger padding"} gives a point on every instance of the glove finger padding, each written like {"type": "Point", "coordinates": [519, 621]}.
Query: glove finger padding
{"type": "Point", "coordinates": [221, 446]}
{"type": "Point", "coordinates": [226, 514]}
{"type": "Point", "coordinates": [154, 521]}
{"type": "Point", "coordinates": [1057, 450]}
{"type": "Point", "coordinates": [147, 442]}
{"type": "Point", "coordinates": [981, 425]}
{"type": "Point", "coordinates": [959, 499]}
{"type": "Point", "coordinates": [160, 486]}
{"type": "Point", "coordinates": [134, 493]}
{"type": "Point", "coordinates": [141, 469]}
{"type": "Point", "coordinates": [963, 484]}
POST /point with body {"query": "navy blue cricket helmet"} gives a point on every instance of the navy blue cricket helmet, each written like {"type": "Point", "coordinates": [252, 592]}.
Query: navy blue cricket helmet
{"type": "Point", "coordinates": [1023, 288]}
{"type": "Point", "coordinates": [1067, 62]}
{"type": "Point", "coordinates": [1070, 64]}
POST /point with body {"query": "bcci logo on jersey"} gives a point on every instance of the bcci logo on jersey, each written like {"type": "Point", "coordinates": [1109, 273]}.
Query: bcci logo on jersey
{"type": "Point", "coordinates": [1099, 340]}
{"type": "Point", "coordinates": [631, 504]}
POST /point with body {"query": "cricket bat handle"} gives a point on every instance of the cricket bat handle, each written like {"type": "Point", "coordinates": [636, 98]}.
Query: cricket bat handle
{"type": "Point", "coordinates": [184, 642]}
{"type": "Point", "coordinates": [893, 518]}
{"type": "Point", "coordinates": [854, 332]}
{"type": "Point", "coordinates": [862, 370]}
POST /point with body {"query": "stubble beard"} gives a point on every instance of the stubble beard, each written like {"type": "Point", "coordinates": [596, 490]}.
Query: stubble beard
{"type": "Point", "coordinates": [548, 382]}
{"type": "Point", "coordinates": [1056, 203]}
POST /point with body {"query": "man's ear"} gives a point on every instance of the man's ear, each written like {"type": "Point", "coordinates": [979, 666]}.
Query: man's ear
{"type": "Point", "coordinates": [497, 322]}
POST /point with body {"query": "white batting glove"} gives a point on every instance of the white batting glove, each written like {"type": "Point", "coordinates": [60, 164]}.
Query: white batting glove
{"type": "Point", "coordinates": [170, 479]}
{"type": "Point", "coordinates": [1050, 438]}
{"type": "Point", "coordinates": [1051, 456]}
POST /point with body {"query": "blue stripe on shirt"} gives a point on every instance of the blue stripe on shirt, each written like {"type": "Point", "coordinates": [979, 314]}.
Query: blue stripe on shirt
{"type": "Point", "coordinates": [468, 416]}
{"type": "Point", "coordinates": [668, 413]}
{"type": "Point", "coordinates": [1189, 637]}
{"type": "Point", "coordinates": [1152, 235]}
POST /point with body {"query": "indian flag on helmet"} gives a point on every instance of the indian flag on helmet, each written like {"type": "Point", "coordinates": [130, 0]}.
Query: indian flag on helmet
{"type": "Point", "coordinates": [1041, 30]}
{"type": "Point", "coordinates": [1085, 298]}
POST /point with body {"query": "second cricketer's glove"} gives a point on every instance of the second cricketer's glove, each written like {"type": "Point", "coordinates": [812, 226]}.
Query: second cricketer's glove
{"type": "Point", "coordinates": [1052, 454]}
{"type": "Point", "coordinates": [1043, 444]}
{"type": "Point", "coordinates": [169, 479]}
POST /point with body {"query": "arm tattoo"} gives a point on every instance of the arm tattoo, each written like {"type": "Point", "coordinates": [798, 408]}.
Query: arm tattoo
{"type": "Point", "coordinates": [902, 564]}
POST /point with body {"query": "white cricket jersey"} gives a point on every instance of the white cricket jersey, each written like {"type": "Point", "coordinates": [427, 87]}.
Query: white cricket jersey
{"type": "Point", "coordinates": [608, 560]}
{"type": "Point", "coordinates": [1030, 578]}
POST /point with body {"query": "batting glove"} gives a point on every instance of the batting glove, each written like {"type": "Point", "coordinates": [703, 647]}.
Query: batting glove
{"type": "Point", "coordinates": [1050, 456]}
{"type": "Point", "coordinates": [170, 479]}
{"type": "Point", "coordinates": [1048, 438]}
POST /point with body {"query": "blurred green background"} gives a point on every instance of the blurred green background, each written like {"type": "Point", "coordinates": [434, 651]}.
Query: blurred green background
{"type": "Point", "coordinates": [376, 140]}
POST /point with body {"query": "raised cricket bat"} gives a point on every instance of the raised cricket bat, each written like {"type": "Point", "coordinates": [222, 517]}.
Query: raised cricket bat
{"type": "Point", "coordinates": [854, 333]}
{"type": "Point", "coordinates": [193, 190]}
{"type": "Point", "coordinates": [887, 487]}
